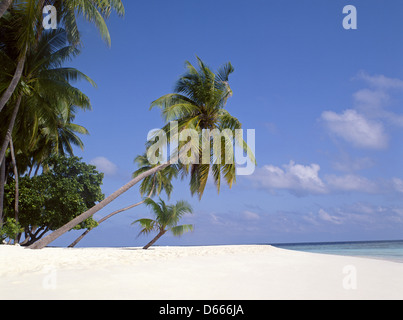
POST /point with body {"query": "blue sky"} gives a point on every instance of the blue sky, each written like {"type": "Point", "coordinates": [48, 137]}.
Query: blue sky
{"type": "Point", "coordinates": [326, 104]}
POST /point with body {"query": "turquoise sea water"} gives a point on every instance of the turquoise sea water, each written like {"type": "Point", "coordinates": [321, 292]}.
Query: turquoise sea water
{"type": "Point", "coordinates": [385, 250]}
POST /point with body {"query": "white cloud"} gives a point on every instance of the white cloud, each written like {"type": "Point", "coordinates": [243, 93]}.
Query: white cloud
{"type": "Point", "coordinates": [397, 184]}
{"type": "Point", "coordinates": [323, 215]}
{"type": "Point", "coordinates": [249, 215]}
{"type": "Point", "coordinates": [297, 178]}
{"type": "Point", "coordinates": [370, 100]}
{"type": "Point", "coordinates": [303, 180]}
{"type": "Point", "coordinates": [380, 81]}
{"type": "Point", "coordinates": [351, 183]}
{"type": "Point", "coordinates": [374, 102]}
{"type": "Point", "coordinates": [355, 128]}
{"type": "Point", "coordinates": [346, 163]}
{"type": "Point", "coordinates": [364, 126]}
{"type": "Point", "coordinates": [104, 165]}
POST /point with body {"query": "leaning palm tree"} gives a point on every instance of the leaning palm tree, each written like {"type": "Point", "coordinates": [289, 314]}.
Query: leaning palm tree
{"type": "Point", "coordinates": [166, 219]}
{"type": "Point", "coordinates": [199, 102]}
{"type": "Point", "coordinates": [154, 184]}
{"type": "Point", "coordinates": [151, 186]}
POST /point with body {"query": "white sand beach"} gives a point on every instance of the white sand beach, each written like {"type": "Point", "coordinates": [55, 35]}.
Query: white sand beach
{"type": "Point", "coordinates": [207, 273]}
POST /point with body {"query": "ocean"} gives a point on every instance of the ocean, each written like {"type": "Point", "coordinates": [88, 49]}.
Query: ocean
{"type": "Point", "coordinates": [385, 250]}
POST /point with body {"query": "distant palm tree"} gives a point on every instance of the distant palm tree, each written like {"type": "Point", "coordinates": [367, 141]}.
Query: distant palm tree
{"type": "Point", "coordinates": [167, 218]}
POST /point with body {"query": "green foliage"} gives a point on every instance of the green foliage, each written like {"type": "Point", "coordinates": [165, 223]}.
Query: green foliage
{"type": "Point", "coordinates": [198, 102]}
{"type": "Point", "coordinates": [67, 188]}
{"type": "Point", "coordinates": [11, 229]}
{"type": "Point", "coordinates": [153, 185]}
{"type": "Point", "coordinates": [167, 217]}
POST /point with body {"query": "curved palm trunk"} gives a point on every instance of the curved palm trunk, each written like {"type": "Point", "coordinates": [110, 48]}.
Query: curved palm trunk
{"type": "Point", "coordinates": [111, 215]}
{"type": "Point", "coordinates": [10, 130]}
{"type": "Point", "coordinates": [4, 5]}
{"type": "Point", "coordinates": [14, 82]}
{"type": "Point", "coordinates": [84, 216]}
{"type": "Point", "coordinates": [159, 235]}
{"type": "Point", "coordinates": [102, 220]}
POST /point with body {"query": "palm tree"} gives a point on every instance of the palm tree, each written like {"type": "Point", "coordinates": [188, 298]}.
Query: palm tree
{"type": "Point", "coordinates": [39, 122]}
{"type": "Point", "coordinates": [27, 27]}
{"type": "Point", "coordinates": [151, 186]}
{"type": "Point", "coordinates": [154, 184]}
{"type": "Point", "coordinates": [57, 137]}
{"type": "Point", "coordinates": [46, 100]}
{"type": "Point", "coordinates": [198, 103]}
{"type": "Point", "coordinates": [167, 218]}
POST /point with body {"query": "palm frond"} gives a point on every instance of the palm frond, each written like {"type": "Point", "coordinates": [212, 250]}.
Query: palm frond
{"type": "Point", "coordinates": [148, 225]}
{"type": "Point", "coordinates": [180, 230]}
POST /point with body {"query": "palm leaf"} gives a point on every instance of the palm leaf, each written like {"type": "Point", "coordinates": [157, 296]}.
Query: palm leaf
{"type": "Point", "coordinates": [180, 230]}
{"type": "Point", "coordinates": [148, 225]}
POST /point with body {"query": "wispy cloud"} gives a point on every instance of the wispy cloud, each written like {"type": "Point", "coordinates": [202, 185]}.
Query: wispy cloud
{"type": "Point", "coordinates": [380, 81]}
{"type": "Point", "coordinates": [351, 182]}
{"type": "Point", "coordinates": [364, 125]}
{"type": "Point", "coordinates": [346, 163]}
{"type": "Point", "coordinates": [355, 128]}
{"type": "Point", "coordinates": [344, 219]}
{"type": "Point", "coordinates": [302, 180]}
{"type": "Point", "coordinates": [323, 215]}
{"type": "Point", "coordinates": [296, 178]}
{"type": "Point", "coordinates": [250, 215]}
{"type": "Point", "coordinates": [105, 165]}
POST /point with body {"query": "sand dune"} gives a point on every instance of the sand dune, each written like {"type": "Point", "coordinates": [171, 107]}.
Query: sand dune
{"type": "Point", "coordinates": [207, 273]}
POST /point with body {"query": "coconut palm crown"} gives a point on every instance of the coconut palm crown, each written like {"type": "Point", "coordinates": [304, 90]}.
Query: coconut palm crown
{"type": "Point", "coordinates": [198, 102]}
{"type": "Point", "coordinates": [166, 219]}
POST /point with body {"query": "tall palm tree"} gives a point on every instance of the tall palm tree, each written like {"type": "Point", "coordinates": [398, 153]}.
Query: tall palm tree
{"type": "Point", "coordinates": [198, 103]}
{"type": "Point", "coordinates": [56, 138]}
{"type": "Point", "coordinates": [151, 186]}
{"type": "Point", "coordinates": [46, 96]}
{"type": "Point", "coordinates": [166, 219]}
{"type": "Point", "coordinates": [27, 27]}
{"type": "Point", "coordinates": [39, 121]}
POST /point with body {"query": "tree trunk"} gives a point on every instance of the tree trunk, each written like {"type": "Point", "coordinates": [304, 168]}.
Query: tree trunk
{"type": "Point", "coordinates": [16, 179]}
{"type": "Point", "coordinates": [2, 184]}
{"type": "Point", "coordinates": [4, 5]}
{"type": "Point", "coordinates": [14, 82]}
{"type": "Point", "coordinates": [10, 130]}
{"type": "Point", "coordinates": [16, 198]}
{"type": "Point", "coordinates": [159, 235]}
{"type": "Point", "coordinates": [70, 225]}
{"type": "Point", "coordinates": [102, 220]}
{"type": "Point", "coordinates": [111, 215]}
